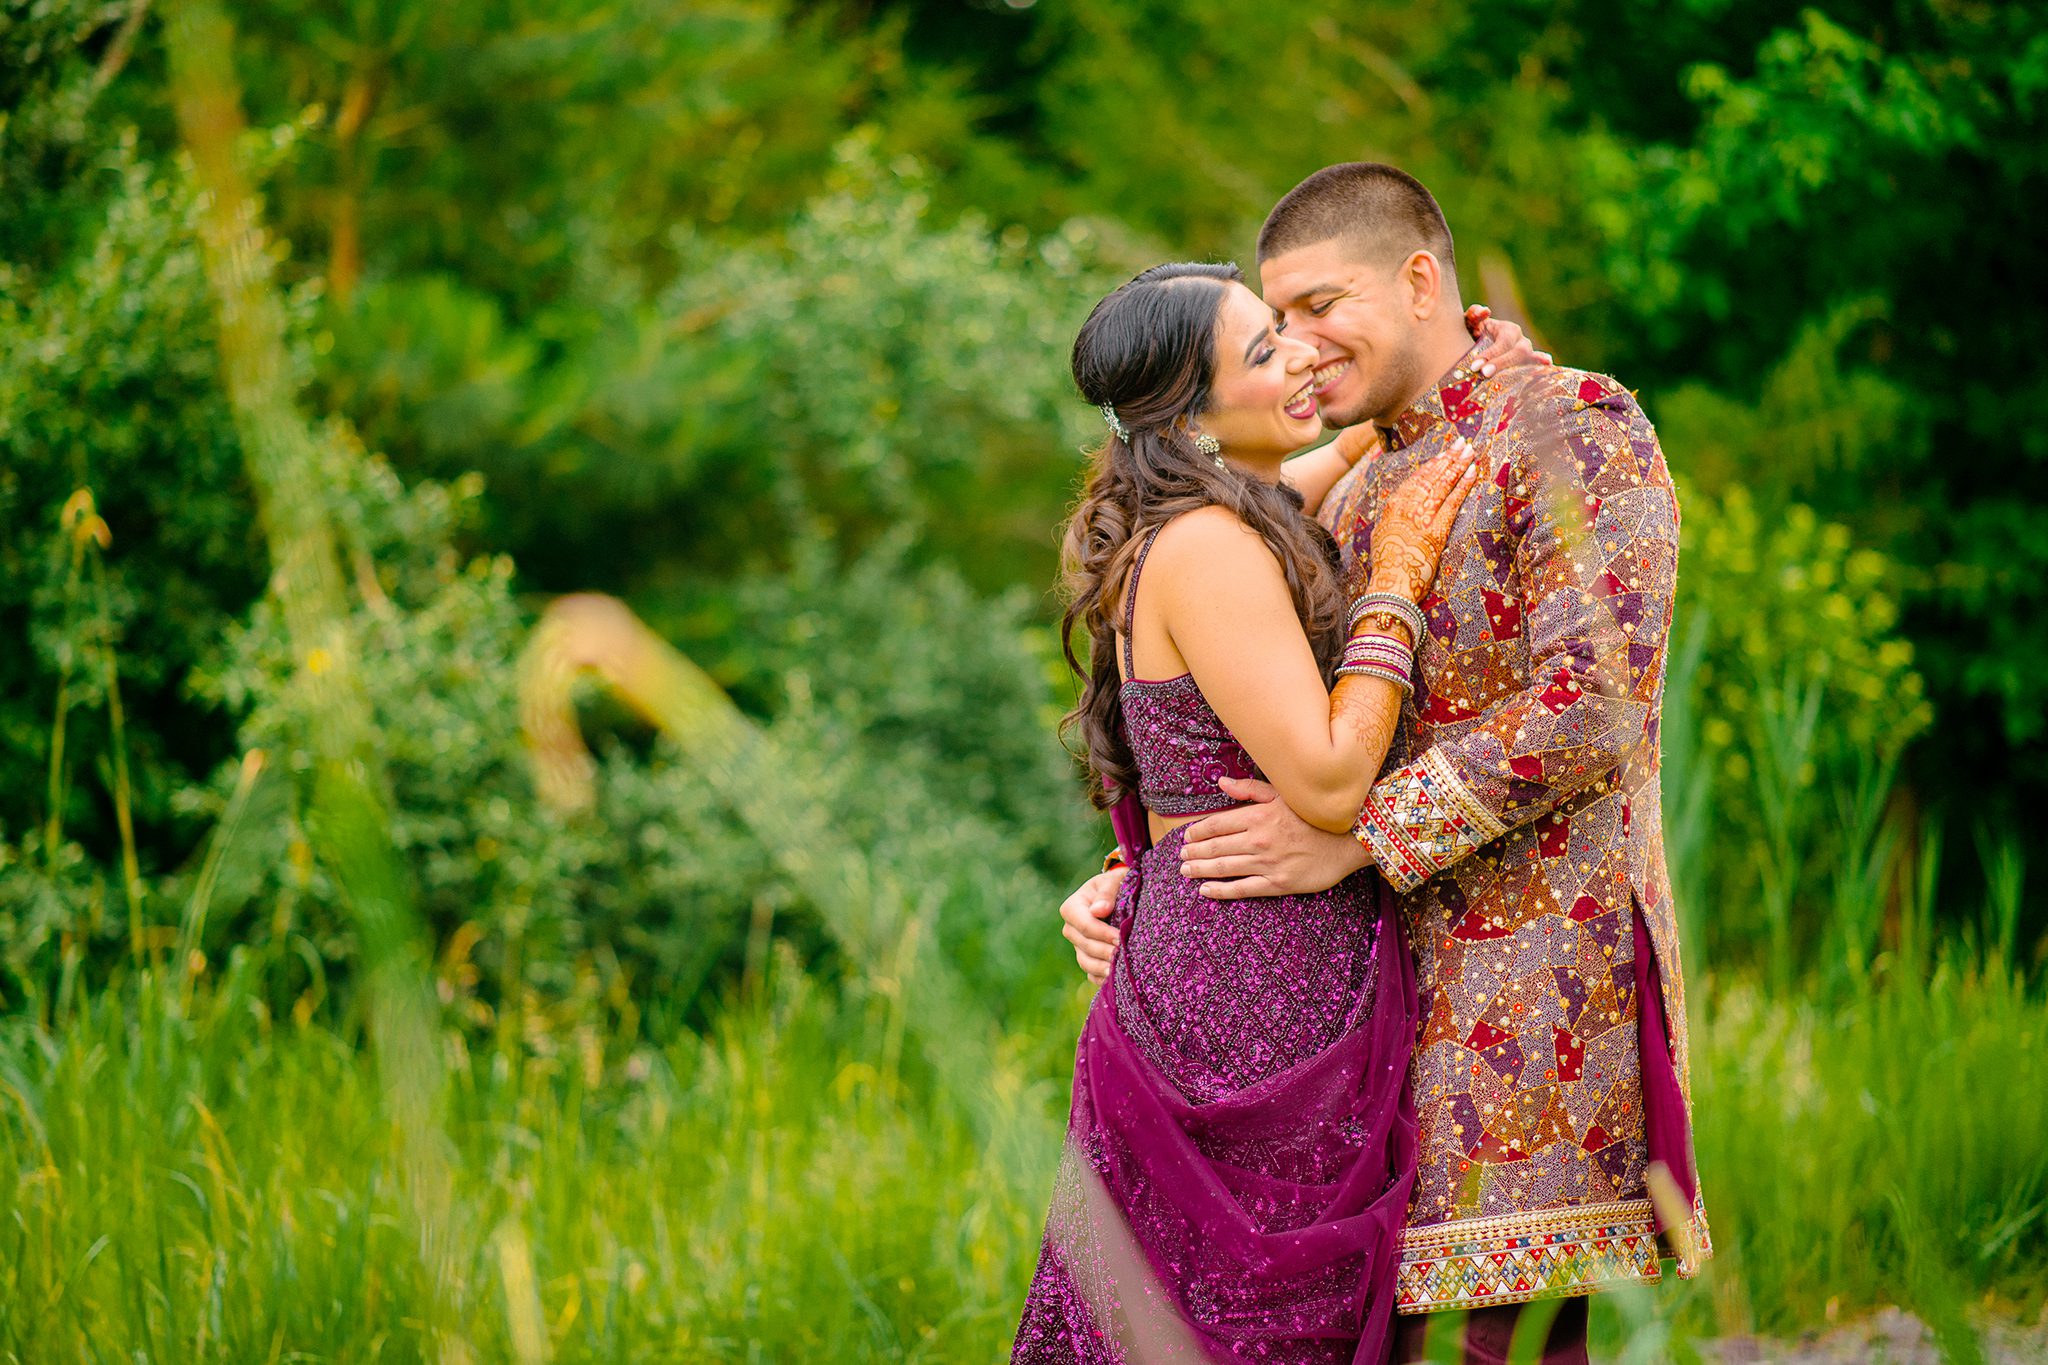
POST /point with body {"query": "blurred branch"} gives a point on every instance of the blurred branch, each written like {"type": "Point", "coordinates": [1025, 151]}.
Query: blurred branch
{"type": "Point", "coordinates": [1375, 60]}
{"type": "Point", "coordinates": [118, 50]}
{"type": "Point", "coordinates": [347, 819]}
{"type": "Point", "coordinates": [868, 910]}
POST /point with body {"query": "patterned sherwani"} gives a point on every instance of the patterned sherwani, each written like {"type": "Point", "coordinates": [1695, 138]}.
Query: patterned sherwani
{"type": "Point", "coordinates": [1519, 818]}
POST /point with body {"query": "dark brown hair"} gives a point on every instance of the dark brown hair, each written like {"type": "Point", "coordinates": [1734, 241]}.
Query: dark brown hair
{"type": "Point", "coordinates": [1149, 351]}
{"type": "Point", "coordinates": [1386, 210]}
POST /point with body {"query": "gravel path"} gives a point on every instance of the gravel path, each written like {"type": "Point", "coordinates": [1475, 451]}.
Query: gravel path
{"type": "Point", "coordinates": [1893, 1336]}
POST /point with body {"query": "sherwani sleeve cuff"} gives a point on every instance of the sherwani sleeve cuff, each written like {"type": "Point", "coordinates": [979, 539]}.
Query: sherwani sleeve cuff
{"type": "Point", "coordinates": [1421, 818]}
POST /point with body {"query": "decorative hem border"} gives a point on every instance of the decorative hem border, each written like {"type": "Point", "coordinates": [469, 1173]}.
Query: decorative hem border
{"type": "Point", "coordinates": [1421, 818]}
{"type": "Point", "coordinates": [1546, 1253]}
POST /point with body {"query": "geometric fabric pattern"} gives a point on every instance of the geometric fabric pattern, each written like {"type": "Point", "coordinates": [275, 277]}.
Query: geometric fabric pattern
{"type": "Point", "coordinates": [1520, 819]}
{"type": "Point", "coordinates": [1420, 819]}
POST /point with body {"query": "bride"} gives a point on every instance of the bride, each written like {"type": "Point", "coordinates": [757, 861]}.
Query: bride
{"type": "Point", "coordinates": [1239, 1149]}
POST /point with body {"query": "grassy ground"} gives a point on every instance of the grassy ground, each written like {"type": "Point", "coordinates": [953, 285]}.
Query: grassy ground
{"type": "Point", "coordinates": [214, 1184]}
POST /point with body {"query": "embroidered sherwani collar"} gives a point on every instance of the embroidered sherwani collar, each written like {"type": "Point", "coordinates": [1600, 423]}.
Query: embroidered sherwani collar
{"type": "Point", "coordinates": [1453, 399]}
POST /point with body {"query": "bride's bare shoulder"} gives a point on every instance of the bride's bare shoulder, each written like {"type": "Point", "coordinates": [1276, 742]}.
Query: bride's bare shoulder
{"type": "Point", "coordinates": [1210, 542]}
{"type": "Point", "coordinates": [1206, 530]}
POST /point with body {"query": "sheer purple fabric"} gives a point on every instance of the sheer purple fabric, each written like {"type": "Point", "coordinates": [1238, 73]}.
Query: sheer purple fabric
{"type": "Point", "coordinates": [1240, 1148]}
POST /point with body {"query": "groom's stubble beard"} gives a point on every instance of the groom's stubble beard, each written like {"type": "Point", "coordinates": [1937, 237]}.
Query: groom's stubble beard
{"type": "Point", "coordinates": [1393, 382]}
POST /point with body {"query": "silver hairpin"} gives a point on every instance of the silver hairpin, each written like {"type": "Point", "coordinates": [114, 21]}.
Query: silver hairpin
{"type": "Point", "coordinates": [1116, 423]}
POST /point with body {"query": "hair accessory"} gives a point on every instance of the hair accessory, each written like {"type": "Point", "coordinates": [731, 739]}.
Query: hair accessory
{"type": "Point", "coordinates": [1116, 423]}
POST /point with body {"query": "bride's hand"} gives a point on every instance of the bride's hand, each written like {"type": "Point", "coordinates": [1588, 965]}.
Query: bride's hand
{"type": "Point", "coordinates": [1506, 345]}
{"type": "Point", "coordinates": [1408, 539]}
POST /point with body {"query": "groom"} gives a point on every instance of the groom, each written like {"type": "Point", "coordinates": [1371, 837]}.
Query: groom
{"type": "Point", "coordinates": [1518, 817]}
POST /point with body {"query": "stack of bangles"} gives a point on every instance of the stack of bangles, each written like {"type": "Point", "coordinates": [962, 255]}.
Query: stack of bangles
{"type": "Point", "coordinates": [1374, 655]}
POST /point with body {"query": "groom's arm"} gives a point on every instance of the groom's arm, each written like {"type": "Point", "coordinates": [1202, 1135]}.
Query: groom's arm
{"type": "Point", "coordinates": [1593, 522]}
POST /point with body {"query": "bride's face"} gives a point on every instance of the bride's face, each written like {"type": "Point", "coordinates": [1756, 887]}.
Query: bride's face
{"type": "Point", "coordinates": [1262, 404]}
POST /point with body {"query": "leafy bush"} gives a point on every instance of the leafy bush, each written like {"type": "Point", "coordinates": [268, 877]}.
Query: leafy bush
{"type": "Point", "coordinates": [867, 369]}
{"type": "Point", "coordinates": [918, 711]}
{"type": "Point", "coordinates": [108, 383]}
{"type": "Point", "coordinates": [940, 742]}
{"type": "Point", "coordinates": [1790, 699]}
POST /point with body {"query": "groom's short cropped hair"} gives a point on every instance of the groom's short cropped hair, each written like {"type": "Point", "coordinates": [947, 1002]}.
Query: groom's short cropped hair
{"type": "Point", "coordinates": [1384, 210]}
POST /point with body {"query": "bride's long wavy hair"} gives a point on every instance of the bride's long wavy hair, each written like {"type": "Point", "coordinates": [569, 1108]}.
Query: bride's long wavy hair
{"type": "Point", "coordinates": [1149, 351]}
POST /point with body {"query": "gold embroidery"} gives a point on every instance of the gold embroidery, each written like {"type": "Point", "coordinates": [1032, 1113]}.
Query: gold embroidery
{"type": "Point", "coordinates": [1550, 1252]}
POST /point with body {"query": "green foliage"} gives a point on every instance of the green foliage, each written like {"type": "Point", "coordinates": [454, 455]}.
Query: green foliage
{"type": "Point", "coordinates": [758, 313]}
{"type": "Point", "coordinates": [1826, 219]}
{"type": "Point", "coordinates": [108, 384]}
{"type": "Point", "coordinates": [916, 749]}
{"type": "Point", "coordinates": [1818, 1125]}
{"type": "Point", "coordinates": [1794, 699]}
{"type": "Point", "coordinates": [518, 144]}
{"type": "Point", "coordinates": [869, 369]}
{"type": "Point", "coordinates": [694, 1201]}
{"type": "Point", "coordinates": [1793, 599]}
{"type": "Point", "coordinates": [783, 1187]}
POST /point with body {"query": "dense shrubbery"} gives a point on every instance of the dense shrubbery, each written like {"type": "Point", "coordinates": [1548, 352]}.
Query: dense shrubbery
{"type": "Point", "coordinates": [917, 748]}
{"type": "Point", "coordinates": [903, 686]}
{"type": "Point", "coordinates": [108, 383]}
{"type": "Point", "coordinates": [866, 368]}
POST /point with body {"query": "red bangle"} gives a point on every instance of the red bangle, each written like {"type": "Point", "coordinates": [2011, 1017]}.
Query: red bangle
{"type": "Point", "coordinates": [1114, 859]}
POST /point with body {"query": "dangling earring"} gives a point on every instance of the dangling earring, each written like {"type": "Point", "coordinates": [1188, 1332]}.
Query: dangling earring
{"type": "Point", "coordinates": [1210, 446]}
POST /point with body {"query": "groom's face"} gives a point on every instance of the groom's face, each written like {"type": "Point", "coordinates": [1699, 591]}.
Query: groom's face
{"type": "Point", "coordinates": [1360, 318]}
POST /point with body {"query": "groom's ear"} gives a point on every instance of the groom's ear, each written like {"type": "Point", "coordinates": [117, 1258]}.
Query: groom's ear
{"type": "Point", "coordinates": [1421, 278]}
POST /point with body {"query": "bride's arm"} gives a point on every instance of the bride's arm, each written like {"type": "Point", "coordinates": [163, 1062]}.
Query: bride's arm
{"type": "Point", "coordinates": [1227, 607]}
{"type": "Point", "coordinates": [1316, 472]}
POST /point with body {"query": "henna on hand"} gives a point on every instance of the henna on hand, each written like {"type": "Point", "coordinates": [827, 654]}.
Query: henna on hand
{"type": "Point", "coordinates": [1408, 541]}
{"type": "Point", "coordinates": [1504, 344]}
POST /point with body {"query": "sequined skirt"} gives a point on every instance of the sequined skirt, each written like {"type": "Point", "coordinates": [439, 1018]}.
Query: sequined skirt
{"type": "Point", "coordinates": [1222, 994]}
{"type": "Point", "coordinates": [1239, 1148]}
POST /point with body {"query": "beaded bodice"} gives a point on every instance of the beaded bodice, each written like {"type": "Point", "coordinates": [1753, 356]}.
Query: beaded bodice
{"type": "Point", "coordinates": [1180, 745]}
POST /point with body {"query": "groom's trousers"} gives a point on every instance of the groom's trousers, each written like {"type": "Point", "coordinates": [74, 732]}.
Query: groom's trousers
{"type": "Point", "coordinates": [1489, 1332]}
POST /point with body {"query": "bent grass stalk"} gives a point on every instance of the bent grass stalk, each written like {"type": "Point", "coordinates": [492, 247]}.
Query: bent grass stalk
{"type": "Point", "coordinates": [868, 910]}
{"type": "Point", "coordinates": [192, 929]}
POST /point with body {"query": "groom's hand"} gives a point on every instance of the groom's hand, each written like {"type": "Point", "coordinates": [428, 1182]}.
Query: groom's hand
{"type": "Point", "coordinates": [1265, 849]}
{"type": "Point", "coordinates": [1082, 916]}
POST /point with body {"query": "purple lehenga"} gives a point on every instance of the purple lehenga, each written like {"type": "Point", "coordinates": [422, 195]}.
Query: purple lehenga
{"type": "Point", "coordinates": [1241, 1144]}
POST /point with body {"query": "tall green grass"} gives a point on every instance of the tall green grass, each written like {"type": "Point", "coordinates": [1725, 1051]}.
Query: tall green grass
{"type": "Point", "coordinates": [216, 1184]}
{"type": "Point", "coordinates": [222, 1186]}
{"type": "Point", "coordinates": [1888, 1148]}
